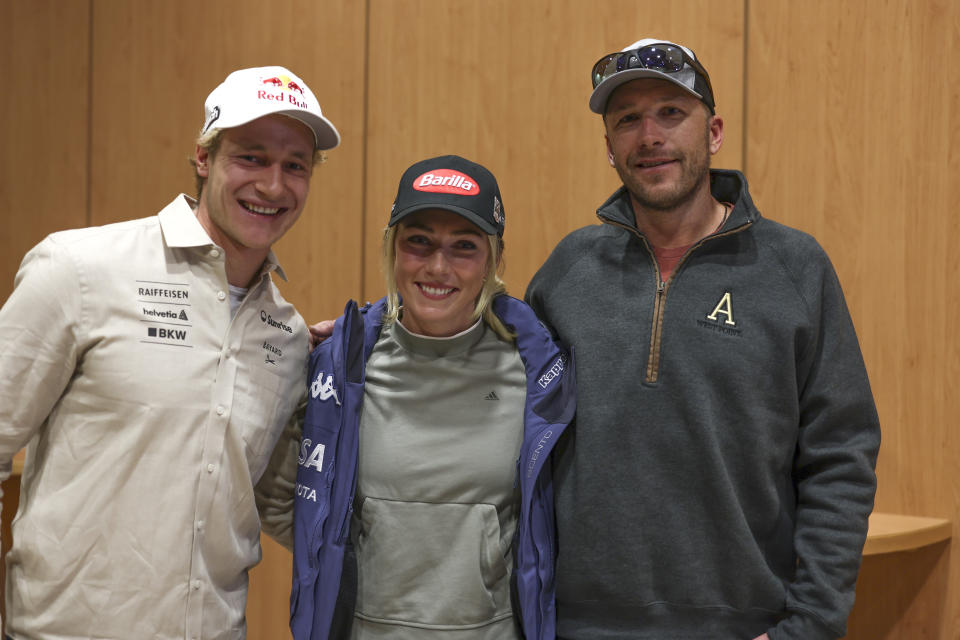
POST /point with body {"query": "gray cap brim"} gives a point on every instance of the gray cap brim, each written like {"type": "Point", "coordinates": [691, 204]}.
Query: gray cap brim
{"type": "Point", "coordinates": [600, 95]}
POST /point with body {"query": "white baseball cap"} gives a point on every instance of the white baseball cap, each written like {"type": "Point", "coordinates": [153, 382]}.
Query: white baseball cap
{"type": "Point", "coordinates": [248, 94]}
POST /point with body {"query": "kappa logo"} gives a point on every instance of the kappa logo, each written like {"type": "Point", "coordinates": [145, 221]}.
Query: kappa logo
{"type": "Point", "coordinates": [552, 373]}
{"type": "Point", "coordinates": [324, 389]}
{"type": "Point", "coordinates": [446, 181]}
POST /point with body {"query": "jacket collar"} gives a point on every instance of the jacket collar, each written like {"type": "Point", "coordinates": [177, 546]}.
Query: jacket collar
{"type": "Point", "coordinates": [727, 185]}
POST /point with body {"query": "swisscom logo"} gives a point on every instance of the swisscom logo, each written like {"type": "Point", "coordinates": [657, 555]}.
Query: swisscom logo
{"type": "Point", "coordinates": [446, 181]}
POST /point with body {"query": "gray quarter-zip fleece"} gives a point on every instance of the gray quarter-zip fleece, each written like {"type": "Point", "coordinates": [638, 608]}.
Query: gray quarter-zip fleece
{"type": "Point", "coordinates": [720, 474]}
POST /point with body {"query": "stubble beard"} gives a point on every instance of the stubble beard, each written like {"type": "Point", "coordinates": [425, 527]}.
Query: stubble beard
{"type": "Point", "coordinates": [695, 170]}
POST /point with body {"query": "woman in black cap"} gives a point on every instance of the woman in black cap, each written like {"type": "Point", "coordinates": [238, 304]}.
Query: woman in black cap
{"type": "Point", "coordinates": [424, 502]}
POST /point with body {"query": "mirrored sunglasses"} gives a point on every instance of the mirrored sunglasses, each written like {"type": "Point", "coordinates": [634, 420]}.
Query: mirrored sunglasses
{"type": "Point", "coordinates": [662, 57]}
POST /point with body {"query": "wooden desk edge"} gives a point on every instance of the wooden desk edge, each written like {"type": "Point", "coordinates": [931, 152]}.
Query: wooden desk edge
{"type": "Point", "coordinates": [18, 463]}
{"type": "Point", "coordinates": [890, 532]}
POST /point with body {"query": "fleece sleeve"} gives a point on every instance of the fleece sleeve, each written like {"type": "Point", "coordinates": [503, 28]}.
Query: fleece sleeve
{"type": "Point", "coordinates": [834, 476]}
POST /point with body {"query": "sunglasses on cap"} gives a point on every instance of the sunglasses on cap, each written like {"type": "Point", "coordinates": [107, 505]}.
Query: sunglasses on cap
{"type": "Point", "coordinates": [660, 56]}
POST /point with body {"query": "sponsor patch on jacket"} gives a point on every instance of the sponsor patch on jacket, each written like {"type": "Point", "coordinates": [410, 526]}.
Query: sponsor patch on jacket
{"type": "Point", "coordinates": [311, 455]}
{"type": "Point", "coordinates": [269, 320]}
{"type": "Point", "coordinates": [555, 370]}
{"type": "Point", "coordinates": [324, 389]}
{"type": "Point", "coordinates": [165, 312]}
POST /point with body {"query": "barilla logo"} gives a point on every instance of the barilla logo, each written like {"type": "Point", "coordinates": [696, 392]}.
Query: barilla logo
{"type": "Point", "coordinates": [446, 181]}
{"type": "Point", "coordinates": [286, 85]}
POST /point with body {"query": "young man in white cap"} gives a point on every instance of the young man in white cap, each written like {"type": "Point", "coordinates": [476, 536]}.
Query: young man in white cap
{"type": "Point", "coordinates": [151, 366]}
{"type": "Point", "coordinates": [720, 474]}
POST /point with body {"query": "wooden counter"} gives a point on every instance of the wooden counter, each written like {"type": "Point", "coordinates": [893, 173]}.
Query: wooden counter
{"type": "Point", "coordinates": [18, 462]}
{"type": "Point", "coordinates": [890, 532]}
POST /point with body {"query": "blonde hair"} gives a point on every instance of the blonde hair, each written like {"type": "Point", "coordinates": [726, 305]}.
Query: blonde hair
{"type": "Point", "coordinates": [493, 285]}
{"type": "Point", "coordinates": [210, 141]}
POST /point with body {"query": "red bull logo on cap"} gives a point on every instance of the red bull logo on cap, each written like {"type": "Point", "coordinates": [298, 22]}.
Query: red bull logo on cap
{"type": "Point", "coordinates": [281, 89]}
{"type": "Point", "coordinates": [446, 181]}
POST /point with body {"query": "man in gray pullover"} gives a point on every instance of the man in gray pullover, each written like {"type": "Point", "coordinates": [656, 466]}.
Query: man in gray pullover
{"type": "Point", "coordinates": [720, 474]}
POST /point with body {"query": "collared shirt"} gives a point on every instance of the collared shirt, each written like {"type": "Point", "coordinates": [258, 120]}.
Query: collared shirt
{"type": "Point", "coordinates": [150, 414]}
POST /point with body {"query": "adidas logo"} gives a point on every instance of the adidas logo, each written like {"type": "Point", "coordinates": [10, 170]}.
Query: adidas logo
{"type": "Point", "coordinates": [491, 396]}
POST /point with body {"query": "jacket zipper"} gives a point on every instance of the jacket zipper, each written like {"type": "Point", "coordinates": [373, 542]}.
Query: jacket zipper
{"type": "Point", "coordinates": [660, 302]}
{"type": "Point", "coordinates": [653, 360]}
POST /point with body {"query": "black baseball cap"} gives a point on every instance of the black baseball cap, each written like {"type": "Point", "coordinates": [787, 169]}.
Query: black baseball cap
{"type": "Point", "coordinates": [454, 184]}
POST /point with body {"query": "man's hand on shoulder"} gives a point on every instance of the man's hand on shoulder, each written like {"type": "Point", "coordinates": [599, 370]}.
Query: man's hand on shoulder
{"type": "Point", "coordinates": [320, 332]}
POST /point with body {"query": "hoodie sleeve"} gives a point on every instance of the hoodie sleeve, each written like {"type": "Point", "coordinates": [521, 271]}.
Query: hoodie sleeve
{"type": "Point", "coordinates": [835, 481]}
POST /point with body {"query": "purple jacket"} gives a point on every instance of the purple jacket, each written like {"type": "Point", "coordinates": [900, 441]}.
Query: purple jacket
{"type": "Point", "coordinates": [327, 475]}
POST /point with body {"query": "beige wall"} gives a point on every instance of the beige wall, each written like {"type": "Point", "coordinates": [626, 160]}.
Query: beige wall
{"type": "Point", "coordinates": [841, 114]}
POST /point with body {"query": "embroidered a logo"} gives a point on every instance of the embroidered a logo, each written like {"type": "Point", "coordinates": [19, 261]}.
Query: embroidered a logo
{"type": "Point", "coordinates": [324, 389]}
{"type": "Point", "coordinates": [725, 308]}
{"type": "Point", "coordinates": [722, 317]}
{"type": "Point", "coordinates": [491, 396]}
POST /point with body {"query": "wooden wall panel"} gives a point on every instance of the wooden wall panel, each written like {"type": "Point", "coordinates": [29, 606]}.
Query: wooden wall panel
{"type": "Point", "coordinates": [44, 111]}
{"type": "Point", "coordinates": [842, 115]}
{"type": "Point", "coordinates": [850, 140]}
{"type": "Point", "coordinates": [154, 64]}
{"type": "Point", "coordinates": [506, 84]}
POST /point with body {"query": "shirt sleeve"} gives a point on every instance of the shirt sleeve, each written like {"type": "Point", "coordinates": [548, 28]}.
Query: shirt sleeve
{"type": "Point", "coordinates": [839, 437]}
{"type": "Point", "coordinates": [39, 325]}
{"type": "Point", "coordinates": [275, 492]}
